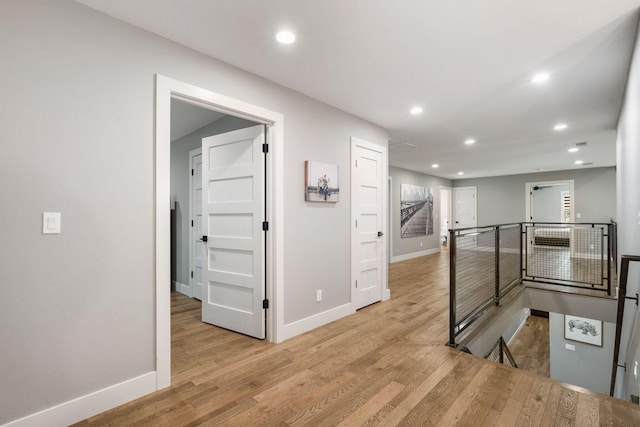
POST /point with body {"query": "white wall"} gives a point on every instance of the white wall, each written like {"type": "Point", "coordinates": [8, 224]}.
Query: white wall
{"type": "Point", "coordinates": [77, 310]}
{"type": "Point", "coordinates": [501, 199]}
{"type": "Point", "coordinates": [410, 247]}
{"type": "Point", "coordinates": [628, 177]}
{"type": "Point", "coordinates": [588, 366]}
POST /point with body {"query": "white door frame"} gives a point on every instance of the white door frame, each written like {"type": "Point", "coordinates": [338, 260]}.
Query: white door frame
{"type": "Point", "coordinates": [450, 207]}
{"type": "Point", "coordinates": [527, 196]}
{"type": "Point", "coordinates": [356, 142]}
{"type": "Point", "coordinates": [389, 220]}
{"type": "Point", "coordinates": [166, 89]}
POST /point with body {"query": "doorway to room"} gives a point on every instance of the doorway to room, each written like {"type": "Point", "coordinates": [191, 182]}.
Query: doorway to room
{"type": "Point", "coordinates": [167, 90]}
{"type": "Point", "coordinates": [217, 233]}
{"type": "Point", "coordinates": [550, 201]}
{"type": "Point", "coordinates": [445, 213]}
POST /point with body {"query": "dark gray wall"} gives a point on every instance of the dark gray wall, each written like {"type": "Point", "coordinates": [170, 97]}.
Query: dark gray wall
{"type": "Point", "coordinates": [405, 247]}
{"type": "Point", "coordinates": [502, 199]}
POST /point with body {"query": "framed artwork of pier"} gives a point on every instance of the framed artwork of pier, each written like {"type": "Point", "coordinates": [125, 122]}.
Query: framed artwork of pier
{"type": "Point", "coordinates": [583, 330]}
{"type": "Point", "coordinates": [416, 210]}
{"type": "Point", "coordinates": [321, 182]}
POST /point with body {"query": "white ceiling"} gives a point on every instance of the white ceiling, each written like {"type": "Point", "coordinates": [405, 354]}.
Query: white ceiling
{"type": "Point", "coordinates": [467, 63]}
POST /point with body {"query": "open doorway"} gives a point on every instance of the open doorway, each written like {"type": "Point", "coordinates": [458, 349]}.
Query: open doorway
{"type": "Point", "coordinates": [166, 90]}
{"type": "Point", "coordinates": [445, 214]}
{"type": "Point", "coordinates": [189, 125]}
{"type": "Point", "coordinates": [550, 201]}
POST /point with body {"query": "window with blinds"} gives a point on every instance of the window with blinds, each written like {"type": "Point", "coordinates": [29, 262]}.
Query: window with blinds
{"type": "Point", "coordinates": [565, 214]}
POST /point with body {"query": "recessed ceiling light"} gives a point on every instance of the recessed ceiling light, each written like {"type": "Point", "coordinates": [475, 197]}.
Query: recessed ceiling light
{"type": "Point", "coordinates": [560, 126]}
{"type": "Point", "coordinates": [578, 162]}
{"type": "Point", "coordinates": [460, 173]}
{"type": "Point", "coordinates": [540, 78]}
{"type": "Point", "coordinates": [470, 141]}
{"type": "Point", "coordinates": [435, 165]}
{"type": "Point", "coordinates": [286, 37]}
{"type": "Point", "coordinates": [416, 110]}
{"type": "Point", "coordinates": [573, 149]}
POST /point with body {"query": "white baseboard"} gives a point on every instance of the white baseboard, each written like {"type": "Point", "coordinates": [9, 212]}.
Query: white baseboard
{"type": "Point", "coordinates": [301, 326]}
{"type": "Point", "coordinates": [588, 256]}
{"type": "Point", "coordinates": [183, 289]}
{"type": "Point", "coordinates": [414, 255]}
{"type": "Point", "coordinates": [91, 404]}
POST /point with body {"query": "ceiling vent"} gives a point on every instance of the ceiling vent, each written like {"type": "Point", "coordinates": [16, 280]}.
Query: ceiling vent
{"type": "Point", "coordinates": [581, 144]}
{"type": "Point", "coordinates": [402, 146]}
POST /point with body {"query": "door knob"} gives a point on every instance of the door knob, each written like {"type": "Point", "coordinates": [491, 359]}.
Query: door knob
{"type": "Point", "coordinates": [380, 234]}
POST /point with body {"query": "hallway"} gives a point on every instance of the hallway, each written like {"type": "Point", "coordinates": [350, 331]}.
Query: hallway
{"type": "Point", "coordinates": [385, 365]}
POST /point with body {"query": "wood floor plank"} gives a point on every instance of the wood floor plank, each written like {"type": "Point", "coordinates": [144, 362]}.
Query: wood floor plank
{"type": "Point", "coordinates": [469, 398]}
{"type": "Point", "coordinates": [385, 365]}
{"type": "Point", "coordinates": [534, 406]}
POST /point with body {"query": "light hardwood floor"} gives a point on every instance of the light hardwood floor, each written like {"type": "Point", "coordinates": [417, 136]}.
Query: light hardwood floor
{"type": "Point", "coordinates": [530, 346]}
{"type": "Point", "coordinates": [385, 365]}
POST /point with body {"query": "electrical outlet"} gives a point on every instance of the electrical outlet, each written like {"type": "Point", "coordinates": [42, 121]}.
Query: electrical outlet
{"type": "Point", "coordinates": [319, 295]}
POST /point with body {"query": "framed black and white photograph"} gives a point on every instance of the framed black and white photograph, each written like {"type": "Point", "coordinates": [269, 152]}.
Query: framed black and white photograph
{"type": "Point", "coordinates": [321, 182]}
{"type": "Point", "coordinates": [416, 210]}
{"type": "Point", "coordinates": [583, 330]}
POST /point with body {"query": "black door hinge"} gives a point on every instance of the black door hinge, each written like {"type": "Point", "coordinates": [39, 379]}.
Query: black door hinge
{"type": "Point", "coordinates": [191, 172]}
{"type": "Point", "coordinates": [192, 274]}
{"type": "Point", "coordinates": [192, 223]}
{"type": "Point", "coordinates": [265, 303]}
{"type": "Point", "coordinates": [265, 225]}
{"type": "Point", "coordinates": [265, 148]}
{"type": "Point", "coordinates": [205, 238]}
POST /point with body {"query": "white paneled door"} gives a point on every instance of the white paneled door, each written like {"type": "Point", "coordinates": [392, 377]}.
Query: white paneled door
{"type": "Point", "coordinates": [197, 248]}
{"type": "Point", "coordinates": [233, 198]}
{"type": "Point", "coordinates": [465, 207]}
{"type": "Point", "coordinates": [367, 182]}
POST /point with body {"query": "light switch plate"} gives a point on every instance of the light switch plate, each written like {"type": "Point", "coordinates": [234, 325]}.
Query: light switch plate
{"type": "Point", "coordinates": [51, 222]}
{"type": "Point", "coordinates": [570, 347]}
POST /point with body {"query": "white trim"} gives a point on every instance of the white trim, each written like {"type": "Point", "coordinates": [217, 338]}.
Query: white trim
{"type": "Point", "coordinates": [450, 209]}
{"type": "Point", "coordinates": [390, 220]}
{"type": "Point", "coordinates": [167, 88]}
{"type": "Point", "coordinates": [415, 255]}
{"type": "Point", "coordinates": [385, 293]}
{"type": "Point", "coordinates": [589, 255]}
{"type": "Point", "coordinates": [527, 196]}
{"type": "Point", "coordinates": [182, 288]}
{"type": "Point", "coordinates": [86, 406]}
{"type": "Point", "coordinates": [315, 321]}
